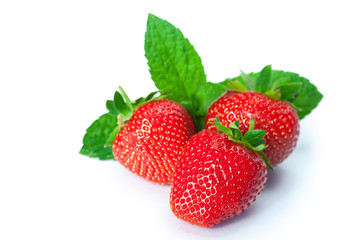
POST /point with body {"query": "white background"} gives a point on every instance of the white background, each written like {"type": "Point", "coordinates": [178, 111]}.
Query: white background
{"type": "Point", "coordinates": [60, 61]}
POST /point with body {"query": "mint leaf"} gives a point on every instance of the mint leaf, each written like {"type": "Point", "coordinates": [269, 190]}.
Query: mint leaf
{"type": "Point", "coordinates": [207, 94]}
{"type": "Point", "coordinates": [289, 91]}
{"type": "Point", "coordinates": [95, 141]}
{"type": "Point", "coordinates": [308, 99]}
{"type": "Point", "coordinates": [175, 67]}
{"type": "Point", "coordinates": [109, 141]}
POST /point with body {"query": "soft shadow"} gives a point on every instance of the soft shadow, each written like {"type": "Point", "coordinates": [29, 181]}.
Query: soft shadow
{"type": "Point", "coordinates": [274, 179]}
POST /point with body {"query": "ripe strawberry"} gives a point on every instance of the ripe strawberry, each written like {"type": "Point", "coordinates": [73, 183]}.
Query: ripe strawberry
{"type": "Point", "coordinates": [277, 117]}
{"type": "Point", "coordinates": [148, 143]}
{"type": "Point", "coordinates": [217, 178]}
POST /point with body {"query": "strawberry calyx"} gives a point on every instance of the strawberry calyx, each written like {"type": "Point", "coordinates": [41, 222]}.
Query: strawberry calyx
{"type": "Point", "coordinates": [253, 139]}
{"type": "Point", "coordinates": [123, 109]}
{"type": "Point", "coordinates": [264, 83]}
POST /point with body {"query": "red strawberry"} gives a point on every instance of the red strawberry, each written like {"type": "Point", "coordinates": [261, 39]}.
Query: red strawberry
{"type": "Point", "coordinates": [217, 178]}
{"type": "Point", "coordinates": [277, 117]}
{"type": "Point", "coordinates": [149, 143]}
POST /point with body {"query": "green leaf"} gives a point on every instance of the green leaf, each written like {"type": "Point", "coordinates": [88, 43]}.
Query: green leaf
{"type": "Point", "coordinates": [150, 96]}
{"type": "Point", "coordinates": [175, 66]}
{"type": "Point", "coordinates": [144, 100]}
{"type": "Point", "coordinates": [241, 83]}
{"type": "Point", "coordinates": [258, 148]}
{"type": "Point", "coordinates": [109, 141]}
{"type": "Point", "coordinates": [266, 160]}
{"type": "Point", "coordinates": [125, 98]}
{"type": "Point", "coordinates": [254, 136]}
{"type": "Point", "coordinates": [232, 138]}
{"type": "Point", "coordinates": [238, 86]}
{"type": "Point", "coordinates": [232, 125]}
{"type": "Point", "coordinates": [263, 82]}
{"type": "Point", "coordinates": [235, 130]}
{"type": "Point", "coordinates": [110, 105]}
{"type": "Point", "coordinates": [308, 99]}
{"type": "Point", "coordinates": [207, 94]}
{"type": "Point", "coordinates": [221, 128]}
{"type": "Point", "coordinates": [120, 103]}
{"type": "Point", "coordinates": [95, 140]}
{"type": "Point", "coordinates": [139, 101]}
{"type": "Point", "coordinates": [273, 94]}
{"type": "Point", "coordinates": [251, 124]}
{"type": "Point", "coordinates": [289, 91]}
{"type": "Point", "coordinates": [250, 82]}
{"type": "Point", "coordinates": [120, 106]}
{"type": "Point", "coordinates": [261, 142]}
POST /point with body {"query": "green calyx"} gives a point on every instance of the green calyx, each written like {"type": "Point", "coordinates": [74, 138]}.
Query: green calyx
{"type": "Point", "coordinates": [253, 139]}
{"type": "Point", "coordinates": [99, 137]}
{"type": "Point", "coordinates": [123, 108]}
{"type": "Point", "coordinates": [290, 87]}
{"type": "Point", "coordinates": [264, 83]}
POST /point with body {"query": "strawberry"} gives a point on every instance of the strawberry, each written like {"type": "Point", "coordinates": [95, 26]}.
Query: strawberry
{"type": "Point", "coordinates": [151, 137]}
{"type": "Point", "coordinates": [277, 117]}
{"type": "Point", "coordinates": [218, 175]}
{"type": "Point", "coordinates": [276, 99]}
